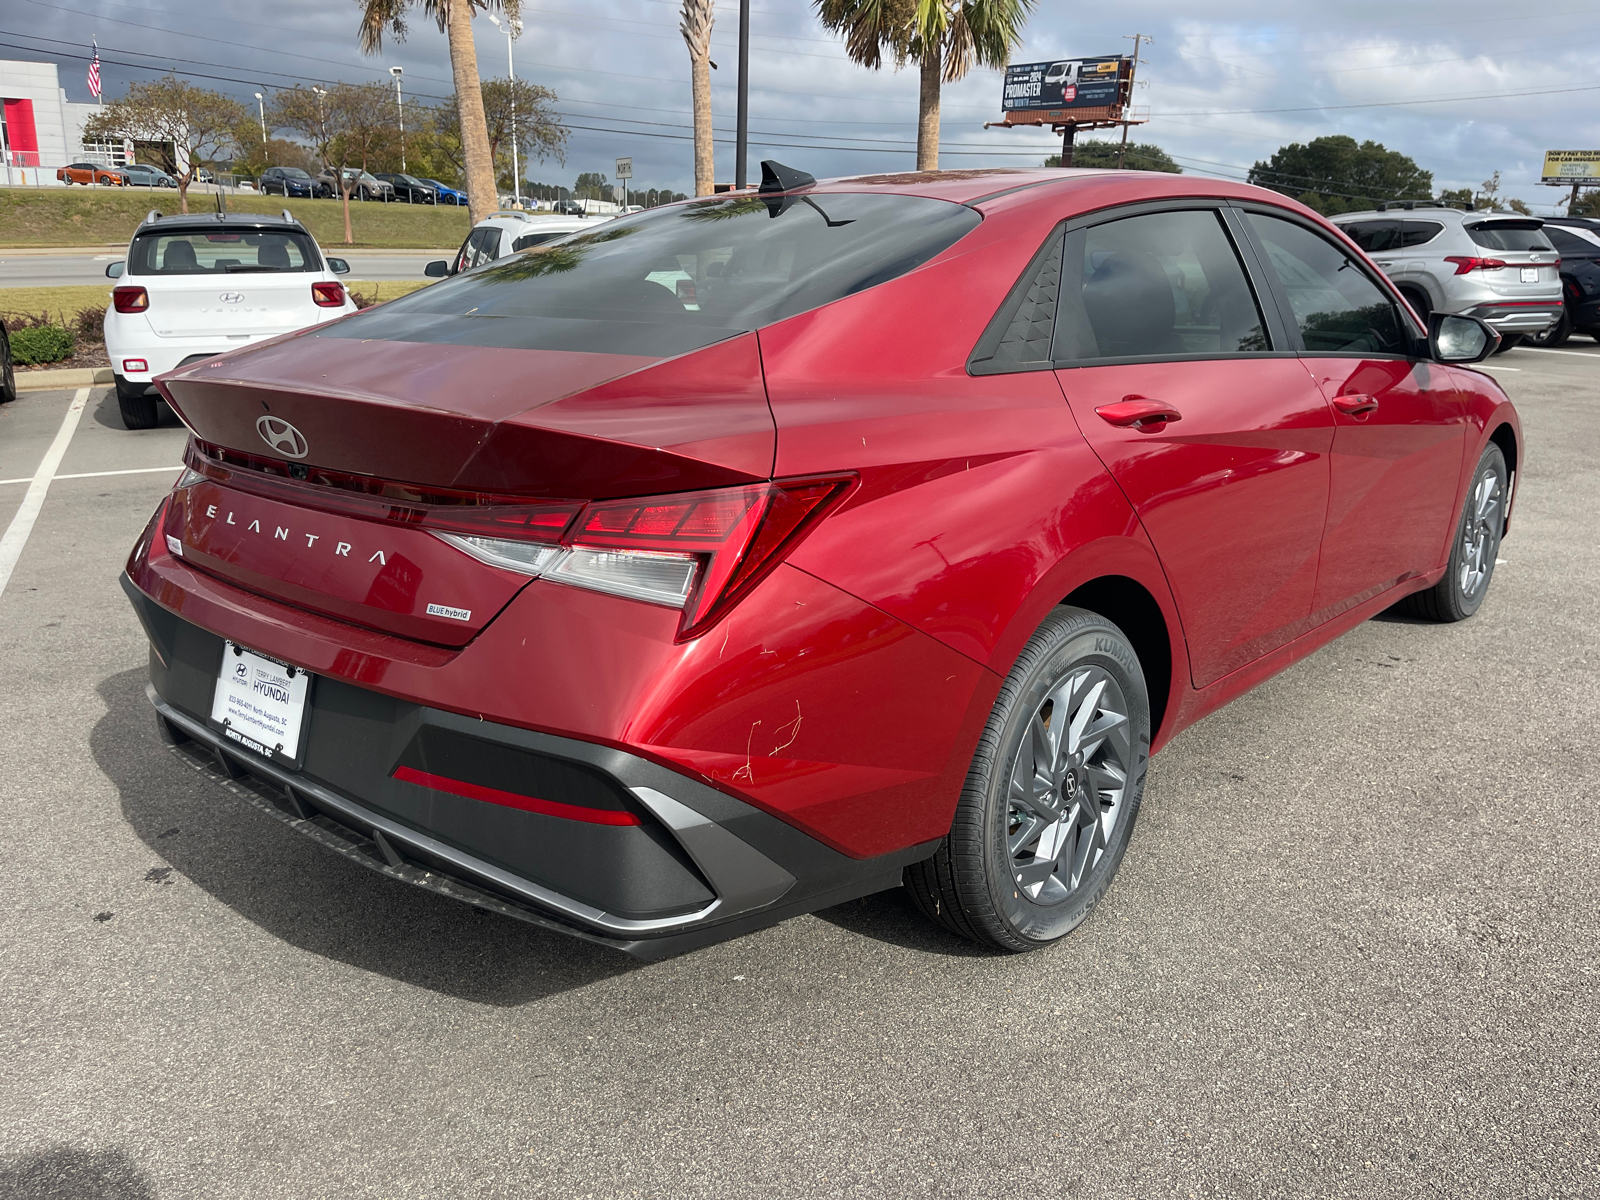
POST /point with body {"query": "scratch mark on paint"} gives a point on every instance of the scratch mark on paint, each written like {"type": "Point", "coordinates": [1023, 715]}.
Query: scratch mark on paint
{"type": "Point", "coordinates": [793, 726]}
{"type": "Point", "coordinates": [726, 634]}
{"type": "Point", "coordinates": [747, 772]}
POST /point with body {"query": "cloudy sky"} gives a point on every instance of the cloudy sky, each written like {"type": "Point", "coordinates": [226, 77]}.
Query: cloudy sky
{"type": "Point", "coordinates": [1466, 88]}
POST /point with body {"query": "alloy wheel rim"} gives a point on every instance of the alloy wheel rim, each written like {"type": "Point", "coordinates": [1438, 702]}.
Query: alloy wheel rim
{"type": "Point", "coordinates": [1067, 786]}
{"type": "Point", "coordinates": [1478, 538]}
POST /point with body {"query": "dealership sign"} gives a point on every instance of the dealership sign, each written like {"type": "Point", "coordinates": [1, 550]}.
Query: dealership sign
{"type": "Point", "coordinates": [1571, 166]}
{"type": "Point", "coordinates": [1065, 83]}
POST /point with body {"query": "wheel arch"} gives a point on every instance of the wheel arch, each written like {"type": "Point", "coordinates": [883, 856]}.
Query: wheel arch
{"type": "Point", "coordinates": [1129, 605]}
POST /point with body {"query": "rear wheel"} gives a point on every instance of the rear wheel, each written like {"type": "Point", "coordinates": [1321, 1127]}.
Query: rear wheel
{"type": "Point", "coordinates": [1475, 547]}
{"type": "Point", "coordinates": [8, 373]}
{"type": "Point", "coordinates": [138, 406]}
{"type": "Point", "coordinates": [1052, 794]}
{"type": "Point", "coordinates": [1556, 334]}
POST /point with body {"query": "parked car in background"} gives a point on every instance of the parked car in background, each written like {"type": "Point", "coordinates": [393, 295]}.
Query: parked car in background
{"type": "Point", "coordinates": [84, 172]}
{"type": "Point", "coordinates": [1495, 265]}
{"type": "Point", "coordinates": [204, 175]}
{"type": "Point", "coordinates": [654, 624]}
{"type": "Point", "coordinates": [143, 175]}
{"type": "Point", "coordinates": [196, 286]}
{"type": "Point", "coordinates": [410, 189]}
{"type": "Point", "coordinates": [507, 232]}
{"type": "Point", "coordinates": [8, 372]}
{"type": "Point", "coordinates": [286, 182]}
{"type": "Point", "coordinates": [362, 185]}
{"type": "Point", "coordinates": [447, 194]}
{"type": "Point", "coordinates": [1577, 240]}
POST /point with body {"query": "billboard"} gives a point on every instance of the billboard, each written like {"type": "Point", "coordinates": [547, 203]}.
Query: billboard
{"type": "Point", "coordinates": [1066, 83]}
{"type": "Point", "coordinates": [1571, 166]}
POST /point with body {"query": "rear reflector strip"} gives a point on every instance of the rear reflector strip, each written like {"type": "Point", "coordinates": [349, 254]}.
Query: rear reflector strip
{"type": "Point", "coordinates": [489, 795]}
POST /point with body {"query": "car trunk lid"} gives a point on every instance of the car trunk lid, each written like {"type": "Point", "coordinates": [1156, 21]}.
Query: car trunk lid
{"type": "Point", "coordinates": [246, 304]}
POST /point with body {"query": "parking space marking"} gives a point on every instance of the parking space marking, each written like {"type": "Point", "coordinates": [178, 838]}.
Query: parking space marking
{"type": "Point", "coordinates": [16, 535]}
{"type": "Point", "coordinates": [1550, 350]}
{"type": "Point", "coordinates": [100, 474]}
{"type": "Point", "coordinates": [1488, 367]}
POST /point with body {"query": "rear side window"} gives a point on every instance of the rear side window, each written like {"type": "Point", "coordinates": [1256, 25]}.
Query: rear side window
{"type": "Point", "coordinates": [1337, 307]}
{"type": "Point", "coordinates": [1509, 235]}
{"type": "Point", "coordinates": [482, 246]}
{"type": "Point", "coordinates": [1568, 241]}
{"type": "Point", "coordinates": [1164, 284]}
{"type": "Point", "coordinates": [1419, 233]}
{"type": "Point", "coordinates": [673, 279]}
{"type": "Point", "coordinates": [1374, 236]}
{"type": "Point", "coordinates": [220, 252]}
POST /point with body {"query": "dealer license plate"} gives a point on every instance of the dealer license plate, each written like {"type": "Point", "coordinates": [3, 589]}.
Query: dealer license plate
{"type": "Point", "coordinates": [260, 703]}
{"type": "Point", "coordinates": [1530, 274]}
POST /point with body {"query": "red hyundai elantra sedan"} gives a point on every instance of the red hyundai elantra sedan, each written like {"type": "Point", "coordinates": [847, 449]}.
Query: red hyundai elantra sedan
{"type": "Point", "coordinates": [762, 551]}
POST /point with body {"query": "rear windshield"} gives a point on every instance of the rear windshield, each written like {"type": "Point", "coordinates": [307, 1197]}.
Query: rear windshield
{"type": "Point", "coordinates": [220, 252]}
{"type": "Point", "coordinates": [1509, 235]}
{"type": "Point", "coordinates": [673, 279]}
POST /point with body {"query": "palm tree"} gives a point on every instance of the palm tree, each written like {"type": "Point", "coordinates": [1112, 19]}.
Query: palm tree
{"type": "Point", "coordinates": [695, 25]}
{"type": "Point", "coordinates": [946, 38]}
{"type": "Point", "coordinates": [454, 18]}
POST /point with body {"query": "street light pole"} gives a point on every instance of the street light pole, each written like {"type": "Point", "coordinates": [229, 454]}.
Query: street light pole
{"type": "Point", "coordinates": [513, 30]}
{"type": "Point", "coordinates": [742, 136]}
{"type": "Point", "coordinates": [400, 110]}
{"type": "Point", "coordinates": [261, 104]}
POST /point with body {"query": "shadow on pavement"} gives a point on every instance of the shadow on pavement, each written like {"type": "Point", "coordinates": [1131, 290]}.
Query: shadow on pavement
{"type": "Point", "coordinates": [107, 413]}
{"type": "Point", "coordinates": [70, 1173]}
{"type": "Point", "coordinates": [891, 917]}
{"type": "Point", "coordinates": [315, 900]}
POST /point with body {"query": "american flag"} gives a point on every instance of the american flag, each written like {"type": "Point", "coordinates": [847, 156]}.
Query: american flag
{"type": "Point", "coordinates": [94, 74]}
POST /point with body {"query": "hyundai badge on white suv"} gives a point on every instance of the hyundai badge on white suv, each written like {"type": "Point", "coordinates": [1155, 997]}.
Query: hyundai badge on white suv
{"type": "Point", "coordinates": [200, 285]}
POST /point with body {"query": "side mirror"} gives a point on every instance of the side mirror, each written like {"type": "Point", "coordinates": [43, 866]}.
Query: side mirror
{"type": "Point", "coordinates": [1453, 338]}
{"type": "Point", "coordinates": [437, 269]}
{"type": "Point", "coordinates": [115, 270]}
{"type": "Point", "coordinates": [338, 266]}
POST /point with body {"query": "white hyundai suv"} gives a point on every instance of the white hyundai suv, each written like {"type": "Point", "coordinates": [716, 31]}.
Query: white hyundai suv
{"type": "Point", "coordinates": [201, 285]}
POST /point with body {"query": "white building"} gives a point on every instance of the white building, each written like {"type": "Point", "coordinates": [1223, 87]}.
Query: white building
{"type": "Point", "coordinates": [42, 129]}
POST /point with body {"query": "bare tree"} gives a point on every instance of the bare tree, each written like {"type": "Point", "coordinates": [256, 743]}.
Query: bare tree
{"type": "Point", "coordinates": [192, 125]}
{"type": "Point", "coordinates": [454, 18]}
{"type": "Point", "coordinates": [346, 125]}
{"type": "Point", "coordinates": [695, 24]}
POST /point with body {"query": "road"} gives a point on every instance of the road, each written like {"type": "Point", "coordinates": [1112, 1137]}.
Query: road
{"type": "Point", "coordinates": [54, 270]}
{"type": "Point", "coordinates": [1351, 952]}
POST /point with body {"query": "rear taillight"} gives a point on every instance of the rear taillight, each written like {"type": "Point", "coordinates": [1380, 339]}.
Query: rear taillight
{"type": "Point", "coordinates": [1465, 264]}
{"type": "Point", "coordinates": [134, 366]}
{"type": "Point", "coordinates": [328, 295]}
{"type": "Point", "coordinates": [700, 551]}
{"type": "Point", "coordinates": [130, 299]}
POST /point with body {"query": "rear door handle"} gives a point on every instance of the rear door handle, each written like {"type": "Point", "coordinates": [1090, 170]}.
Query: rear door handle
{"type": "Point", "coordinates": [1139, 412]}
{"type": "Point", "coordinates": [1355, 405]}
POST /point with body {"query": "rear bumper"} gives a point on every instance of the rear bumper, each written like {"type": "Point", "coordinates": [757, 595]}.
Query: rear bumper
{"type": "Point", "coordinates": [1518, 316]}
{"type": "Point", "coordinates": [694, 865]}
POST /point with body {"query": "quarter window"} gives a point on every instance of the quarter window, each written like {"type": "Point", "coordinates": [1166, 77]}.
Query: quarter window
{"type": "Point", "coordinates": [1419, 233]}
{"type": "Point", "coordinates": [1159, 285]}
{"type": "Point", "coordinates": [1337, 307]}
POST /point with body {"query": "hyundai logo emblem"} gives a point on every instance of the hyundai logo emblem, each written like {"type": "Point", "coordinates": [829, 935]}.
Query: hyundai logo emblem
{"type": "Point", "coordinates": [232, 297]}
{"type": "Point", "coordinates": [282, 437]}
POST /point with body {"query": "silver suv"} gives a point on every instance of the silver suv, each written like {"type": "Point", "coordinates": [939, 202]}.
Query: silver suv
{"type": "Point", "coordinates": [1496, 265]}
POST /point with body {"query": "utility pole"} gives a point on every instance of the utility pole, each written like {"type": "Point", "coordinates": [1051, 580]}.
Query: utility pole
{"type": "Point", "coordinates": [400, 111]}
{"type": "Point", "coordinates": [742, 137]}
{"type": "Point", "coordinates": [1133, 68]}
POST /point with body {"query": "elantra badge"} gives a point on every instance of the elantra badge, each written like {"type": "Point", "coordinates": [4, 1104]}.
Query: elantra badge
{"type": "Point", "coordinates": [282, 437]}
{"type": "Point", "coordinates": [232, 297]}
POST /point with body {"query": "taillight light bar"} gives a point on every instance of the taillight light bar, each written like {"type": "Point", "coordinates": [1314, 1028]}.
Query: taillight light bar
{"type": "Point", "coordinates": [328, 295]}
{"type": "Point", "coordinates": [130, 299]}
{"type": "Point", "coordinates": [1464, 263]}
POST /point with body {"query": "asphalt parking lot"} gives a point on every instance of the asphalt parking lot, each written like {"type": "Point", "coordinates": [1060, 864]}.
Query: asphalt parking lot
{"type": "Point", "coordinates": [1352, 950]}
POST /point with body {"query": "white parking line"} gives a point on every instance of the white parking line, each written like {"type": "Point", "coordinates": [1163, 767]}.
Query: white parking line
{"type": "Point", "coordinates": [1574, 353]}
{"type": "Point", "coordinates": [16, 535]}
{"type": "Point", "coordinates": [1492, 367]}
{"type": "Point", "coordinates": [99, 474]}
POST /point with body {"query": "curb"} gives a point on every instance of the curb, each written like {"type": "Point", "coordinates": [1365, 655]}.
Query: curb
{"type": "Point", "coordinates": [40, 381]}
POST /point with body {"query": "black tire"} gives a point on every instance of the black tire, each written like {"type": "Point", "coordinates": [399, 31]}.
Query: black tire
{"type": "Point", "coordinates": [1507, 342]}
{"type": "Point", "coordinates": [1420, 304]}
{"type": "Point", "coordinates": [1557, 334]}
{"type": "Point", "coordinates": [8, 372]}
{"type": "Point", "coordinates": [1000, 842]}
{"type": "Point", "coordinates": [138, 406]}
{"type": "Point", "coordinates": [1473, 547]}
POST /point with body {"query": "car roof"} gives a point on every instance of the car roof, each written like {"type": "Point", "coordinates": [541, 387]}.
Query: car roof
{"type": "Point", "coordinates": [199, 221]}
